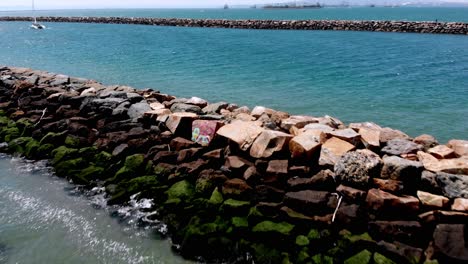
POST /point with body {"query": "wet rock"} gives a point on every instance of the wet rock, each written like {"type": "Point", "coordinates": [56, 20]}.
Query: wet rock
{"type": "Point", "coordinates": [396, 168]}
{"type": "Point", "coordinates": [268, 143]}
{"type": "Point", "coordinates": [459, 146]}
{"type": "Point", "coordinates": [401, 146]}
{"type": "Point", "coordinates": [389, 185]}
{"type": "Point", "coordinates": [136, 111]}
{"type": "Point", "coordinates": [241, 132]}
{"type": "Point", "coordinates": [386, 203]}
{"type": "Point", "coordinates": [357, 167]}
{"type": "Point", "coordinates": [332, 150]}
{"type": "Point", "coordinates": [427, 141]}
{"type": "Point", "coordinates": [453, 186]}
{"type": "Point", "coordinates": [186, 108]}
{"type": "Point", "coordinates": [305, 145]}
{"type": "Point", "coordinates": [450, 241]}
{"type": "Point", "coordinates": [208, 180]}
{"type": "Point", "coordinates": [442, 152]}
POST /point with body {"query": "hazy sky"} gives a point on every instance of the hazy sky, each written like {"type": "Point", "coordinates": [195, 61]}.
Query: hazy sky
{"type": "Point", "coordinates": [58, 4]}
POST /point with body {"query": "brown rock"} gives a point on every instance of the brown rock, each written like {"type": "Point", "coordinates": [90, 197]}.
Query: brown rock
{"type": "Point", "coordinates": [300, 171]}
{"type": "Point", "coordinates": [446, 217]}
{"type": "Point", "coordinates": [451, 242]}
{"type": "Point", "coordinates": [365, 125]}
{"type": "Point", "coordinates": [179, 143]}
{"type": "Point", "coordinates": [324, 180]}
{"type": "Point", "coordinates": [432, 200]}
{"type": "Point", "coordinates": [347, 135]}
{"type": "Point", "coordinates": [260, 110]}
{"type": "Point", "coordinates": [455, 166]}
{"type": "Point", "coordinates": [297, 121]}
{"type": "Point", "coordinates": [387, 134]}
{"type": "Point", "coordinates": [278, 167]}
{"type": "Point", "coordinates": [332, 151]}
{"type": "Point", "coordinates": [268, 143]}
{"type": "Point", "coordinates": [460, 204]}
{"type": "Point", "coordinates": [192, 168]}
{"type": "Point", "coordinates": [268, 193]}
{"type": "Point", "coordinates": [237, 188]}
{"type": "Point", "coordinates": [459, 146]}
{"type": "Point", "coordinates": [240, 132]}
{"type": "Point", "coordinates": [251, 174]}
{"type": "Point", "coordinates": [405, 231]}
{"type": "Point", "coordinates": [427, 141]}
{"type": "Point", "coordinates": [245, 117]}
{"type": "Point", "coordinates": [384, 202]}
{"type": "Point", "coordinates": [403, 253]}
{"type": "Point", "coordinates": [166, 157]}
{"type": "Point", "coordinates": [442, 152]}
{"type": "Point", "coordinates": [237, 164]}
{"type": "Point", "coordinates": [214, 154]}
{"type": "Point", "coordinates": [370, 138]}
{"type": "Point", "coordinates": [311, 202]}
{"type": "Point", "coordinates": [188, 154]}
{"type": "Point", "coordinates": [389, 185]}
{"type": "Point", "coordinates": [304, 145]}
{"type": "Point", "coordinates": [351, 194]}
{"type": "Point", "coordinates": [181, 123]}
{"type": "Point", "coordinates": [157, 106]}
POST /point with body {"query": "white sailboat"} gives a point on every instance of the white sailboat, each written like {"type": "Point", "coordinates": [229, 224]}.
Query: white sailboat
{"type": "Point", "coordinates": [35, 24]}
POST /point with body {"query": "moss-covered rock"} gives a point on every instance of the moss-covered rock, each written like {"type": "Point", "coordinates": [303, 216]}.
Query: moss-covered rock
{"type": "Point", "coordinates": [303, 256]}
{"type": "Point", "coordinates": [265, 254]}
{"type": "Point", "coordinates": [240, 222]}
{"type": "Point", "coordinates": [63, 153]}
{"type": "Point", "coordinates": [18, 145]}
{"type": "Point", "coordinates": [72, 141]}
{"type": "Point", "coordinates": [232, 206]}
{"type": "Point", "coordinates": [31, 149]}
{"type": "Point", "coordinates": [124, 190]}
{"type": "Point", "coordinates": [134, 162]}
{"type": "Point", "coordinates": [322, 259]}
{"type": "Point", "coordinates": [88, 153]}
{"type": "Point", "coordinates": [56, 139]}
{"type": "Point", "coordinates": [91, 173]}
{"type": "Point", "coordinates": [302, 241]}
{"type": "Point", "coordinates": [7, 134]}
{"type": "Point", "coordinates": [216, 197]}
{"type": "Point", "coordinates": [133, 167]}
{"type": "Point", "coordinates": [102, 159]}
{"type": "Point", "coordinates": [44, 151]}
{"type": "Point", "coordinates": [362, 257]}
{"type": "Point", "coordinates": [283, 228]}
{"type": "Point", "coordinates": [183, 190]}
{"type": "Point", "coordinates": [381, 259]}
{"type": "Point", "coordinates": [69, 167]}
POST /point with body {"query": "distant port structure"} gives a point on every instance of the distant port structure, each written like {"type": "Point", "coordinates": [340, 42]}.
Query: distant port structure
{"type": "Point", "coordinates": [292, 5]}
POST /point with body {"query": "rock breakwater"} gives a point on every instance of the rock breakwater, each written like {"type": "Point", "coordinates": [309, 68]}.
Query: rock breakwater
{"type": "Point", "coordinates": [230, 181]}
{"type": "Point", "coordinates": [460, 28]}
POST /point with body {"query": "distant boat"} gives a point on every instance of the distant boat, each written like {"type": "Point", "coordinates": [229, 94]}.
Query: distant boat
{"type": "Point", "coordinates": [226, 6]}
{"type": "Point", "coordinates": [35, 24]}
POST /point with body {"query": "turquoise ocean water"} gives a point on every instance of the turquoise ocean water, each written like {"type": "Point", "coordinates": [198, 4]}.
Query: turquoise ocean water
{"type": "Point", "coordinates": [414, 82]}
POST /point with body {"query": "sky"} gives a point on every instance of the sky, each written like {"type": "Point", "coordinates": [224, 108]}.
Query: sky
{"type": "Point", "coordinates": [66, 4]}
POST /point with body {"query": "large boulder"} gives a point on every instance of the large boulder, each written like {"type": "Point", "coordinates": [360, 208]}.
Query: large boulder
{"type": "Point", "coordinates": [179, 107]}
{"type": "Point", "coordinates": [268, 143]}
{"type": "Point", "coordinates": [427, 141]}
{"type": "Point", "coordinates": [400, 146]}
{"type": "Point", "coordinates": [305, 145]}
{"type": "Point", "coordinates": [333, 149]}
{"type": "Point", "coordinates": [459, 146]}
{"type": "Point", "coordinates": [396, 168]}
{"type": "Point", "coordinates": [348, 135]}
{"type": "Point", "coordinates": [442, 152]}
{"type": "Point", "coordinates": [453, 186]}
{"type": "Point", "coordinates": [357, 167]}
{"type": "Point", "coordinates": [136, 111]}
{"type": "Point", "coordinates": [451, 242]}
{"type": "Point", "coordinates": [456, 166]}
{"type": "Point", "coordinates": [180, 124]}
{"type": "Point", "coordinates": [297, 121]}
{"type": "Point", "coordinates": [241, 132]}
{"type": "Point", "coordinates": [433, 201]}
{"type": "Point", "coordinates": [385, 203]}
{"type": "Point", "coordinates": [311, 202]}
{"type": "Point", "coordinates": [370, 137]}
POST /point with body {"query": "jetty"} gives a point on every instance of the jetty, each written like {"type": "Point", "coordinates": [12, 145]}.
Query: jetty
{"type": "Point", "coordinates": [230, 181]}
{"type": "Point", "coordinates": [434, 27]}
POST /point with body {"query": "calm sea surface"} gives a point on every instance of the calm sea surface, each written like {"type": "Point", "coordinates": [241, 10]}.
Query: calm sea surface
{"type": "Point", "coordinates": [414, 82]}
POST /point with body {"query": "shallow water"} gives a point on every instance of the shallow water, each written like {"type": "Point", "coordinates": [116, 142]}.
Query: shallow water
{"type": "Point", "coordinates": [44, 219]}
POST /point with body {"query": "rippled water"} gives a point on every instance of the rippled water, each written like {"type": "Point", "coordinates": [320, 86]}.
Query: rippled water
{"type": "Point", "coordinates": [417, 83]}
{"type": "Point", "coordinates": [44, 219]}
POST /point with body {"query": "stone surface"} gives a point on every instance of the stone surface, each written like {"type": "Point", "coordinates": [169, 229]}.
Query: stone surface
{"type": "Point", "coordinates": [442, 152]}
{"type": "Point", "coordinates": [404, 231]}
{"type": "Point", "coordinates": [310, 202]}
{"type": "Point", "coordinates": [277, 167]}
{"type": "Point", "coordinates": [357, 167]}
{"type": "Point", "coordinates": [305, 145]}
{"type": "Point", "coordinates": [297, 121]}
{"type": "Point", "coordinates": [396, 168]}
{"type": "Point", "coordinates": [432, 200]}
{"type": "Point", "coordinates": [351, 193]}
{"type": "Point", "coordinates": [370, 137]}
{"type": "Point", "coordinates": [387, 134]}
{"type": "Point", "coordinates": [459, 146]}
{"type": "Point", "coordinates": [204, 131]}
{"type": "Point", "coordinates": [460, 204]}
{"type": "Point", "coordinates": [451, 241]}
{"type": "Point", "coordinates": [268, 143]}
{"type": "Point", "coordinates": [237, 189]}
{"type": "Point", "coordinates": [453, 186]}
{"type": "Point", "coordinates": [427, 141]}
{"type": "Point", "coordinates": [258, 111]}
{"type": "Point", "coordinates": [347, 135]}
{"type": "Point", "coordinates": [400, 146]}
{"type": "Point", "coordinates": [237, 164]}
{"type": "Point", "coordinates": [332, 150]}
{"type": "Point", "coordinates": [384, 202]}
{"type": "Point", "coordinates": [215, 108]}
{"type": "Point", "coordinates": [241, 132]}
{"type": "Point", "coordinates": [392, 186]}
{"type": "Point", "coordinates": [324, 180]}
{"type": "Point", "coordinates": [185, 108]}
{"type": "Point", "coordinates": [180, 123]}
{"type": "Point", "coordinates": [455, 166]}
{"type": "Point", "coordinates": [179, 143]}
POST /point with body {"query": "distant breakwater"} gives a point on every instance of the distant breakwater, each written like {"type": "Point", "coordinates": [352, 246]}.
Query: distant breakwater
{"type": "Point", "coordinates": [459, 28]}
{"type": "Point", "coordinates": [230, 181]}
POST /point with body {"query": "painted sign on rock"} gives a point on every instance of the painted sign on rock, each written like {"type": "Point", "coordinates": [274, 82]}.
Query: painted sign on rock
{"type": "Point", "coordinates": [203, 131]}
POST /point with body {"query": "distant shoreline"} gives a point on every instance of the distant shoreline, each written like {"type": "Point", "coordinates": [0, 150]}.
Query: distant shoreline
{"type": "Point", "coordinates": [433, 27]}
